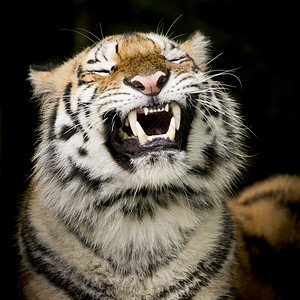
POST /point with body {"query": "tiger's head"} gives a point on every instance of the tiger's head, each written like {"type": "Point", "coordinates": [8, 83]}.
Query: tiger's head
{"type": "Point", "coordinates": [139, 108]}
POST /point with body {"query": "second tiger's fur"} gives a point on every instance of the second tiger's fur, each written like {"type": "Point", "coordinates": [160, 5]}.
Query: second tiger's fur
{"type": "Point", "coordinates": [267, 216]}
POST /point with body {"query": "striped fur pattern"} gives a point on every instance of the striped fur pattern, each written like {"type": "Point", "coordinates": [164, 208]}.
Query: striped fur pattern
{"type": "Point", "coordinates": [127, 196]}
{"type": "Point", "coordinates": [268, 218]}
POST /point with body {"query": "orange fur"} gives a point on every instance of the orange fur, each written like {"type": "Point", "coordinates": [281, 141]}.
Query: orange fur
{"type": "Point", "coordinates": [267, 217]}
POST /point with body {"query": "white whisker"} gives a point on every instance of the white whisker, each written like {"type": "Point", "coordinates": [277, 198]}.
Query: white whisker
{"type": "Point", "coordinates": [92, 34]}
{"type": "Point", "coordinates": [81, 33]}
{"type": "Point", "coordinates": [215, 73]}
{"type": "Point", "coordinates": [214, 58]}
{"type": "Point", "coordinates": [101, 31]}
{"type": "Point", "coordinates": [160, 27]}
{"type": "Point", "coordinates": [173, 25]}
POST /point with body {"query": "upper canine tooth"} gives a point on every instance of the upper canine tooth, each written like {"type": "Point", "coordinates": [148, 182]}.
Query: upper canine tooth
{"type": "Point", "coordinates": [142, 136]}
{"type": "Point", "coordinates": [132, 121]}
{"type": "Point", "coordinates": [177, 114]}
{"type": "Point", "coordinates": [167, 107]}
{"type": "Point", "coordinates": [146, 111]}
{"type": "Point", "coordinates": [171, 131]}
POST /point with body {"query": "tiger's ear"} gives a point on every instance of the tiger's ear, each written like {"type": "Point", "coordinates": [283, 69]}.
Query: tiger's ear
{"type": "Point", "coordinates": [41, 79]}
{"type": "Point", "coordinates": [197, 46]}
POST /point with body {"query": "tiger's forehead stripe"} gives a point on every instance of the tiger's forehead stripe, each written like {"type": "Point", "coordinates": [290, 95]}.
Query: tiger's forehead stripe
{"type": "Point", "coordinates": [125, 47]}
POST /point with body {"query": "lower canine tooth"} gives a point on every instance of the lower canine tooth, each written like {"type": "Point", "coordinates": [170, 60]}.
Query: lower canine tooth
{"type": "Point", "coordinates": [171, 131]}
{"type": "Point", "coordinates": [142, 136]}
{"type": "Point", "coordinates": [176, 114]}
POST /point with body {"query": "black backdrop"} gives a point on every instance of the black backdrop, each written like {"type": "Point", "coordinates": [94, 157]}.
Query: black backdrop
{"type": "Point", "coordinates": [257, 37]}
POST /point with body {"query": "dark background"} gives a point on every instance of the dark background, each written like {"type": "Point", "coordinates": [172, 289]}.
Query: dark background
{"type": "Point", "coordinates": [260, 38]}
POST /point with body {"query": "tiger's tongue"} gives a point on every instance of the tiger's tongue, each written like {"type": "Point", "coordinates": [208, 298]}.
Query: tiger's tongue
{"type": "Point", "coordinates": [143, 137]}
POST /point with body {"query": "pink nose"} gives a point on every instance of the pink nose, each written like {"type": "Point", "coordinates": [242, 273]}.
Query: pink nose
{"type": "Point", "coordinates": [149, 84]}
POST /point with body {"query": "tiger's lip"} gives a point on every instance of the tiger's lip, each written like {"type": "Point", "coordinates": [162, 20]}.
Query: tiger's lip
{"type": "Point", "coordinates": [149, 123]}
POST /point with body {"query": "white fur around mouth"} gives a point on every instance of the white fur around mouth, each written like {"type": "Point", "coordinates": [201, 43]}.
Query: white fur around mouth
{"type": "Point", "coordinates": [170, 113]}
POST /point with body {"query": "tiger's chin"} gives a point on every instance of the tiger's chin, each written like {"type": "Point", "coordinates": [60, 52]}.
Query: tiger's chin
{"type": "Point", "coordinates": [158, 168]}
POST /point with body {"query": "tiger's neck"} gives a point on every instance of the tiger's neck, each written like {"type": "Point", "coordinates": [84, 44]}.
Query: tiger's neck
{"type": "Point", "coordinates": [142, 232]}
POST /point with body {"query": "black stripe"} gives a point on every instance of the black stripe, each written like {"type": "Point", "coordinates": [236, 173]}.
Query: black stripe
{"type": "Point", "coordinates": [210, 110]}
{"type": "Point", "coordinates": [183, 78]}
{"type": "Point", "coordinates": [197, 199]}
{"type": "Point", "coordinates": [231, 294]}
{"type": "Point", "coordinates": [268, 195]}
{"type": "Point", "coordinates": [139, 210]}
{"type": "Point", "coordinates": [79, 71]}
{"type": "Point", "coordinates": [80, 76]}
{"type": "Point", "coordinates": [196, 69]}
{"type": "Point", "coordinates": [67, 132]}
{"type": "Point", "coordinates": [93, 61]}
{"type": "Point", "coordinates": [86, 106]}
{"type": "Point", "coordinates": [293, 207]}
{"type": "Point", "coordinates": [108, 94]}
{"type": "Point", "coordinates": [66, 98]}
{"type": "Point", "coordinates": [84, 175]}
{"type": "Point", "coordinates": [275, 265]}
{"type": "Point", "coordinates": [73, 115]}
{"type": "Point", "coordinates": [51, 122]}
{"type": "Point", "coordinates": [211, 159]}
{"type": "Point", "coordinates": [204, 171]}
{"type": "Point", "coordinates": [211, 155]}
{"type": "Point", "coordinates": [46, 262]}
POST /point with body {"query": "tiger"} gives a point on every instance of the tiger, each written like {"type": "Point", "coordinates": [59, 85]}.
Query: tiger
{"type": "Point", "coordinates": [138, 147]}
{"type": "Point", "coordinates": [266, 215]}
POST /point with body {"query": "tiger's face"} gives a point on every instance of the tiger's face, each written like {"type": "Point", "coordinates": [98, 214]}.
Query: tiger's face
{"type": "Point", "coordinates": [138, 105]}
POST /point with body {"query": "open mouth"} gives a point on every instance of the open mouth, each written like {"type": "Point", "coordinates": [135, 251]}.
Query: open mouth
{"type": "Point", "coordinates": [147, 124]}
{"type": "Point", "coordinates": [147, 128]}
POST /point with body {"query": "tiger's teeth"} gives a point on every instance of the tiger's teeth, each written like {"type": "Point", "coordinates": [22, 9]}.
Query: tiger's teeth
{"type": "Point", "coordinates": [142, 136]}
{"type": "Point", "coordinates": [171, 131]}
{"type": "Point", "coordinates": [132, 121]}
{"type": "Point", "coordinates": [146, 111]}
{"type": "Point", "coordinates": [176, 114]}
{"type": "Point", "coordinates": [167, 107]}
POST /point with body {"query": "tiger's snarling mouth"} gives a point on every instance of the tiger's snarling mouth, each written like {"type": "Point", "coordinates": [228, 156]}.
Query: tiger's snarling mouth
{"type": "Point", "coordinates": [147, 128]}
{"type": "Point", "coordinates": [147, 124]}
